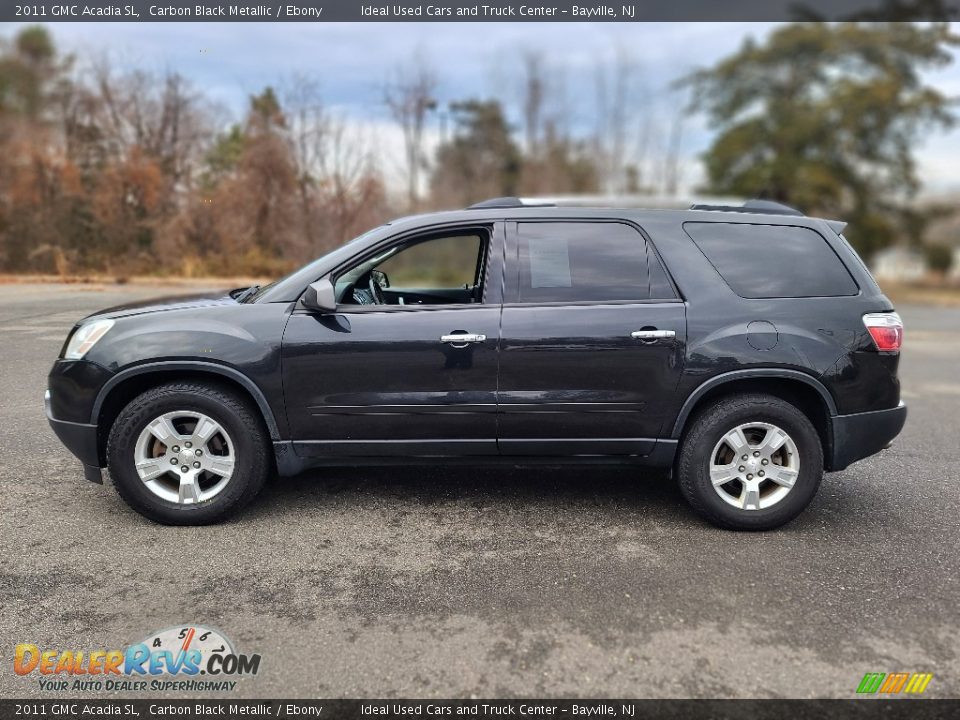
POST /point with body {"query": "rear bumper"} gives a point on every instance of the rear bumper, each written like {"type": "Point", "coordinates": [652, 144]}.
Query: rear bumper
{"type": "Point", "coordinates": [80, 439]}
{"type": "Point", "coordinates": [864, 434]}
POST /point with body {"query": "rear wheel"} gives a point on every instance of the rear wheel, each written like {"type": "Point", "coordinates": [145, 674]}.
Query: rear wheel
{"type": "Point", "coordinates": [188, 453]}
{"type": "Point", "coordinates": [750, 462]}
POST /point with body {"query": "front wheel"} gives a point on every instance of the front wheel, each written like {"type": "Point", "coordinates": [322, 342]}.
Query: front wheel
{"type": "Point", "coordinates": [188, 453]}
{"type": "Point", "coordinates": [750, 462]}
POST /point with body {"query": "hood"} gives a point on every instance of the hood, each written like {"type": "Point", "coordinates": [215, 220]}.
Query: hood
{"type": "Point", "coordinates": [173, 302]}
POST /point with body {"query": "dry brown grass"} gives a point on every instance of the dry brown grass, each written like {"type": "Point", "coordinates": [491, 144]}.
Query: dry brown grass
{"type": "Point", "coordinates": [140, 281]}
{"type": "Point", "coordinates": [937, 295]}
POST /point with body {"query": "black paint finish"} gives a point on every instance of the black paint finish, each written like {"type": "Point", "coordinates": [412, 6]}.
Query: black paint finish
{"type": "Point", "coordinates": [550, 379]}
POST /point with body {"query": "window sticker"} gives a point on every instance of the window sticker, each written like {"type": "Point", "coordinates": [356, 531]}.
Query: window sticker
{"type": "Point", "coordinates": [549, 262]}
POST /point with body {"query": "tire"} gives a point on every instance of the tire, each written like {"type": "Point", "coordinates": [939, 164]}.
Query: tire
{"type": "Point", "coordinates": [705, 444]}
{"type": "Point", "coordinates": [239, 445]}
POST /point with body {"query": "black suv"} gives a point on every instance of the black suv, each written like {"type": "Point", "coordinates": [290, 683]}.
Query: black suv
{"type": "Point", "coordinates": [746, 348]}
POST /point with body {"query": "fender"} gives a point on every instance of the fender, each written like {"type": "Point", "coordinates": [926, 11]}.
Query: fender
{"type": "Point", "coordinates": [199, 366]}
{"type": "Point", "coordinates": [723, 378]}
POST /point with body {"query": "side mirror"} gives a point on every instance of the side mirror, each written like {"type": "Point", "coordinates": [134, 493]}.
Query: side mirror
{"type": "Point", "coordinates": [320, 296]}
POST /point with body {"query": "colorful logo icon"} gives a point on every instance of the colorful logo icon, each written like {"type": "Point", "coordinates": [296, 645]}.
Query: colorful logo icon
{"type": "Point", "coordinates": [893, 683]}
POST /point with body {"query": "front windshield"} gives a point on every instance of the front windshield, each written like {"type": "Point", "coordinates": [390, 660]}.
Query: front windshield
{"type": "Point", "coordinates": [264, 289]}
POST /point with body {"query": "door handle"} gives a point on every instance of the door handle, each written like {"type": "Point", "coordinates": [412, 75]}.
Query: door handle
{"type": "Point", "coordinates": [652, 334]}
{"type": "Point", "coordinates": [462, 339]}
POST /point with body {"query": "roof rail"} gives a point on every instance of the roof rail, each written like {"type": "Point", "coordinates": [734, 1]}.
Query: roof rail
{"type": "Point", "coordinates": [765, 207]}
{"type": "Point", "coordinates": [506, 202]}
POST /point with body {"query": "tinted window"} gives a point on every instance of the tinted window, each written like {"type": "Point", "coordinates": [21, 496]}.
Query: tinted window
{"type": "Point", "coordinates": [770, 261]}
{"type": "Point", "coordinates": [579, 261]}
{"type": "Point", "coordinates": [660, 287]}
{"type": "Point", "coordinates": [448, 262]}
{"type": "Point", "coordinates": [439, 270]}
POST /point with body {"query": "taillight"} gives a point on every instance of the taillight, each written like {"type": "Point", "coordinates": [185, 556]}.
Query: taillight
{"type": "Point", "coordinates": [886, 329]}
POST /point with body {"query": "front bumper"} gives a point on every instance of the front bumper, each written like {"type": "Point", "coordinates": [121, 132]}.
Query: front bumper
{"type": "Point", "coordinates": [80, 439]}
{"type": "Point", "coordinates": [864, 434]}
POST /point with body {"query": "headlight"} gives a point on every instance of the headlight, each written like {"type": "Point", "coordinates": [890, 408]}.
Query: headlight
{"type": "Point", "coordinates": [85, 338]}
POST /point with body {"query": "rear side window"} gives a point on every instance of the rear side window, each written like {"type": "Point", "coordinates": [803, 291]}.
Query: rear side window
{"type": "Point", "coordinates": [585, 262]}
{"type": "Point", "coordinates": [772, 261]}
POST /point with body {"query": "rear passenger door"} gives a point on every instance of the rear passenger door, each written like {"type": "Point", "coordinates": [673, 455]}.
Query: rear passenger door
{"type": "Point", "coordinates": [592, 340]}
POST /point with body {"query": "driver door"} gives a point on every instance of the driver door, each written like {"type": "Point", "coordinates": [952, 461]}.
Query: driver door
{"type": "Point", "coordinates": [408, 367]}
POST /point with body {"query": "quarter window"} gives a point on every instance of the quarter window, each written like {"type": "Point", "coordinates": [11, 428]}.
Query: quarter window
{"type": "Point", "coordinates": [584, 262]}
{"type": "Point", "coordinates": [772, 261]}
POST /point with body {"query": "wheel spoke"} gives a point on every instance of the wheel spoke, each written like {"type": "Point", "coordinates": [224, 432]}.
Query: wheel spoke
{"type": "Point", "coordinates": [151, 468]}
{"type": "Point", "coordinates": [189, 489]}
{"type": "Point", "coordinates": [783, 476]}
{"type": "Point", "coordinates": [164, 431]}
{"type": "Point", "coordinates": [772, 441]}
{"type": "Point", "coordinates": [221, 465]}
{"type": "Point", "coordinates": [722, 474]}
{"type": "Point", "coordinates": [750, 496]}
{"type": "Point", "coordinates": [737, 441]}
{"type": "Point", "coordinates": [206, 429]}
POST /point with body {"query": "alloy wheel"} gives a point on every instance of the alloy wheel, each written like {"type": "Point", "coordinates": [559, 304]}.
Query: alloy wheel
{"type": "Point", "coordinates": [184, 457]}
{"type": "Point", "coordinates": [754, 466]}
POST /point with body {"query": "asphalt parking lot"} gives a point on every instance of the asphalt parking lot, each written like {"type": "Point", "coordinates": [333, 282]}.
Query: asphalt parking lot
{"type": "Point", "coordinates": [477, 582]}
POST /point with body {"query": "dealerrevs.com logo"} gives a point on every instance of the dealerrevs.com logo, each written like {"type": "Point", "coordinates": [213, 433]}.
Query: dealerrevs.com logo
{"type": "Point", "coordinates": [187, 658]}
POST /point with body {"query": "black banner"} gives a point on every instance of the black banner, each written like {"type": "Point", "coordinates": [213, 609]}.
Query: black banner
{"type": "Point", "coordinates": [468, 11]}
{"type": "Point", "coordinates": [349, 709]}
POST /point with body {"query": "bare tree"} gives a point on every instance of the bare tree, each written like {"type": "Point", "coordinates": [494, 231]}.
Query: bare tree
{"type": "Point", "coordinates": [616, 89]}
{"type": "Point", "coordinates": [309, 132]}
{"type": "Point", "coordinates": [409, 97]}
{"type": "Point", "coordinates": [533, 96]}
{"type": "Point", "coordinates": [352, 193]}
{"type": "Point", "coordinates": [671, 154]}
{"type": "Point", "coordinates": [161, 116]}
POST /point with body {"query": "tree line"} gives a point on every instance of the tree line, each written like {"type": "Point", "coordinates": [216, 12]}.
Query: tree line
{"type": "Point", "coordinates": [128, 171]}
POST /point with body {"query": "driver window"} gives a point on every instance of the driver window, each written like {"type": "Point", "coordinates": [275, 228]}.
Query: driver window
{"type": "Point", "coordinates": [438, 271]}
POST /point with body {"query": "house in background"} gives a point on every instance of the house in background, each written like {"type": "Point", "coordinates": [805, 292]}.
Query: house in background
{"type": "Point", "coordinates": [898, 264]}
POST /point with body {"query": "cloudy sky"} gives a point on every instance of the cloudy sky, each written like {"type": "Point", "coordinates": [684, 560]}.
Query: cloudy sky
{"type": "Point", "coordinates": [352, 61]}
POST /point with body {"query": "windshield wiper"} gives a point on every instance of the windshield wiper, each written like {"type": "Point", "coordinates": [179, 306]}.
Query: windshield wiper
{"type": "Point", "coordinates": [244, 294]}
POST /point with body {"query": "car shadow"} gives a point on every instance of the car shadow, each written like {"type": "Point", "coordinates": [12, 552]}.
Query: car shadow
{"type": "Point", "coordinates": [577, 491]}
{"type": "Point", "coordinates": [628, 487]}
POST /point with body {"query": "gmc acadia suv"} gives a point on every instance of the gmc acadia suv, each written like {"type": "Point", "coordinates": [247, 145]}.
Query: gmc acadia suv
{"type": "Point", "coordinates": [748, 349]}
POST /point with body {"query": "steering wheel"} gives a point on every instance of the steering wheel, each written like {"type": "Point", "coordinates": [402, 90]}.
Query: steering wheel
{"type": "Point", "coordinates": [373, 295]}
{"type": "Point", "coordinates": [376, 291]}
